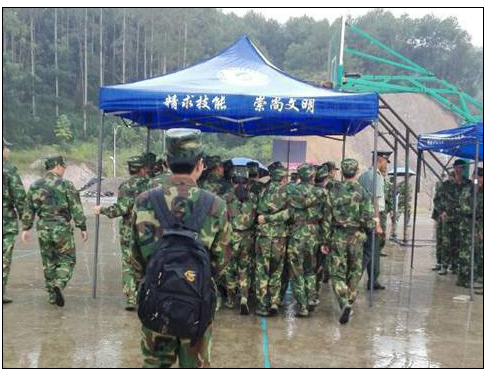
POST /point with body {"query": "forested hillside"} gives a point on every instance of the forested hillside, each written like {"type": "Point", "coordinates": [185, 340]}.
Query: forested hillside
{"type": "Point", "coordinates": [54, 60]}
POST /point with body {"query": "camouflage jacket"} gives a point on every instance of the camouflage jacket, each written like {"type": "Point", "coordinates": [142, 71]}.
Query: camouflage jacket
{"type": "Point", "coordinates": [180, 194]}
{"type": "Point", "coordinates": [466, 204]}
{"type": "Point", "coordinates": [439, 193]}
{"type": "Point", "coordinates": [53, 198]}
{"type": "Point", "coordinates": [212, 183]}
{"type": "Point", "coordinates": [389, 199]}
{"type": "Point", "coordinates": [159, 180]}
{"type": "Point", "coordinates": [242, 215]}
{"type": "Point", "coordinates": [256, 187]}
{"type": "Point", "coordinates": [273, 205]}
{"type": "Point", "coordinates": [128, 192]}
{"type": "Point", "coordinates": [450, 201]}
{"type": "Point", "coordinates": [351, 206]}
{"type": "Point", "coordinates": [401, 194]}
{"type": "Point", "coordinates": [331, 183]}
{"type": "Point", "coordinates": [13, 198]}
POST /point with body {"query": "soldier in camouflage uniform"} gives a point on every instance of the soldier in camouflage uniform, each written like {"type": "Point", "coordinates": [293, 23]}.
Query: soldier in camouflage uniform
{"type": "Point", "coordinates": [255, 186]}
{"type": "Point", "coordinates": [13, 199]}
{"type": "Point", "coordinates": [466, 210]}
{"type": "Point", "coordinates": [442, 240]}
{"type": "Point", "coordinates": [185, 159]}
{"type": "Point", "coordinates": [306, 202]}
{"type": "Point", "coordinates": [241, 205]}
{"type": "Point", "coordinates": [402, 190]}
{"type": "Point", "coordinates": [55, 201]}
{"type": "Point", "coordinates": [213, 181]}
{"type": "Point", "coordinates": [272, 232]}
{"type": "Point", "coordinates": [151, 164]}
{"type": "Point", "coordinates": [450, 211]}
{"type": "Point", "coordinates": [332, 170]}
{"type": "Point", "coordinates": [128, 192]}
{"type": "Point", "coordinates": [322, 269]}
{"type": "Point", "coordinates": [352, 216]}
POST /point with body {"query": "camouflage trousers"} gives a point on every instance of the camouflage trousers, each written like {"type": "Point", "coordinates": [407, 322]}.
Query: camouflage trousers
{"type": "Point", "coordinates": [57, 252]}
{"type": "Point", "coordinates": [162, 350]}
{"type": "Point", "coordinates": [129, 281]}
{"type": "Point", "coordinates": [454, 233]}
{"type": "Point", "coordinates": [464, 271]}
{"type": "Point", "coordinates": [8, 241]}
{"type": "Point", "coordinates": [239, 268]}
{"type": "Point", "coordinates": [346, 264]}
{"type": "Point", "coordinates": [302, 254]}
{"type": "Point", "coordinates": [270, 253]}
{"type": "Point", "coordinates": [442, 241]}
{"type": "Point", "coordinates": [321, 270]}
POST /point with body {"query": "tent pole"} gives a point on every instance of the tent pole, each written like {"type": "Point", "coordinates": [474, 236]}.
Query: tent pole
{"type": "Point", "coordinates": [417, 189]}
{"type": "Point", "coordinates": [473, 222]}
{"type": "Point", "coordinates": [405, 196]}
{"type": "Point", "coordinates": [373, 237]}
{"type": "Point", "coordinates": [148, 139]}
{"type": "Point", "coordinates": [97, 217]}
{"type": "Point", "coordinates": [343, 152]}
{"type": "Point", "coordinates": [288, 160]}
{"type": "Point", "coordinates": [395, 187]}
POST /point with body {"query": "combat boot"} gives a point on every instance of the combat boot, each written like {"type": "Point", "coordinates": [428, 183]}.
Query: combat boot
{"type": "Point", "coordinates": [59, 296]}
{"type": "Point", "coordinates": [302, 311]}
{"type": "Point", "coordinates": [437, 267]}
{"type": "Point", "coordinates": [229, 303]}
{"type": "Point", "coordinates": [273, 310]}
{"type": "Point", "coordinates": [5, 299]}
{"type": "Point", "coordinates": [244, 307]}
{"type": "Point", "coordinates": [52, 298]}
{"type": "Point", "coordinates": [443, 271]}
{"type": "Point", "coordinates": [346, 312]}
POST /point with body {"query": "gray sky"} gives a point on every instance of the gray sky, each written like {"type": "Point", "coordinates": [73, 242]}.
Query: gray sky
{"type": "Point", "coordinates": [469, 19]}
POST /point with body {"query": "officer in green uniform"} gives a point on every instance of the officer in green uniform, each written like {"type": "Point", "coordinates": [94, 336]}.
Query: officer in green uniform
{"type": "Point", "coordinates": [185, 159]}
{"type": "Point", "coordinates": [55, 201]}
{"type": "Point", "coordinates": [352, 216]}
{"type": "Point", "coordinates": [241, 205]}
{"type": "Point", "coordinates": [128, 192]}
{"type": "Point", "coordinates": [13, 199]}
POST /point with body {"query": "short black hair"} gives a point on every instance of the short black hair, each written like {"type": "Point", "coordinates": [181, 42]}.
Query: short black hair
{"type": "Point", "coordinates": [185, 168]}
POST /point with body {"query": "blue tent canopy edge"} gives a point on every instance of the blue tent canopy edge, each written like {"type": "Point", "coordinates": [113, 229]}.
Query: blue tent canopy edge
{"type": "Point", "coordinates": [239, 92]}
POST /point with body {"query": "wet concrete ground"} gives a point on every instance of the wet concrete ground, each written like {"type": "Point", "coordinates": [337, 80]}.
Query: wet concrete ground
{"type": "Point", "coordinates": [414, 323]}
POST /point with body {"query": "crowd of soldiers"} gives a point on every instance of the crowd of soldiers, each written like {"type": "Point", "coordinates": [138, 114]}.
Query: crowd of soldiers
{"type": "Point", "coordinates": [263, 236]}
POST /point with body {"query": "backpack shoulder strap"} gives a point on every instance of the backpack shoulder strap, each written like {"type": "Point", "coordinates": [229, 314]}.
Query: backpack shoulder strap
{"type": "Point", "coordinates": [200, 211]}
{"type": "Point", "coordinates": [165, 217]}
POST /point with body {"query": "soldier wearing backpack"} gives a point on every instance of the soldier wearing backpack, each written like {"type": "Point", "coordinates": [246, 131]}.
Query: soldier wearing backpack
{"type": "Point", "coordinates": [181, 245]}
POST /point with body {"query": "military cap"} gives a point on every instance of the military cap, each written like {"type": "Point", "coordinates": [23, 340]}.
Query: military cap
{"type": "Point", "coordinates": [6, 143]}
{"type": "Point", "coordinates": [383, 154]}
{"type": "Point", "coordinates": [322, 172]}
{"type": "Point", "coordinates": [331, 166]}
{"type": "Point", "coordinates": [305, 171]}
{"type": "Point", "coordinates": [274, 165]}
{"type": "Point", "coordinates": [253, 168]}
{"type": "Point", "coordinates": [183, 145]}
{"type": "Point", "coordinates": [460, 162]}
{"type": "Point", "coordinates": [213, 161]}
{"type": "Point", "coordinates": [137, 162]}
{"type": "Point", "coordinates": [349, 167]}
{"type": "Point", "coordinates": [51, 162]}
{"type": "Point", "coordinates": [150, 159]}
{"type": "Point", "coordinates": [277, 173]}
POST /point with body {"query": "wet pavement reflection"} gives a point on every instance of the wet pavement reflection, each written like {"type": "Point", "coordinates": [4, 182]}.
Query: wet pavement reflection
{"type": "Point", "coordinates": [413, 323]}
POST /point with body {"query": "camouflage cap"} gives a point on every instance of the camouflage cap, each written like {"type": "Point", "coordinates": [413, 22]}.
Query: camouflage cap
{"type": "Point", "coordinates": [306, 171]}
{"type": "Point", "coordinates": [274, 165]}
{"type": "Point", "coordinates": [331, 166]}
{"type": "Point", "coordinates": [349, 167]}
{"type": "Point", "coordinates": [51, 162]}
{"type": "Point", "coordinates": [137, 162]}
{"type": "Point", "coordinates": [150, 159]}
{"type": "Point", "coordinates": [6, 144]}
{"type": "Point", "coordinates": [277, 173]}
{"type": "Point", "coordinates": [183, 145]}
{"type": "Point", "coordinates": [322, 172]}
{"type": "Point", "coordinates": [213, 161]}
{"type": "Point", "coordinates": [253, 168]}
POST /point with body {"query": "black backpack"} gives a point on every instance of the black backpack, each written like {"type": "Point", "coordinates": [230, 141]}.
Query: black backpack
{"type": "Point", "coordinates": [176, 296]}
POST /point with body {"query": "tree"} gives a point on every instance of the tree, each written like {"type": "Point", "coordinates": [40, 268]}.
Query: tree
{"type": "Point", "coordinates": [63, 132]}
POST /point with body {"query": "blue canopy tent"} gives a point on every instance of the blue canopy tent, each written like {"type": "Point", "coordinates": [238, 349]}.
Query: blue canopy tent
{"type": "Point", "coordinates": [238, 92]}
{"type": "Point", "coordinates": [465, 142]}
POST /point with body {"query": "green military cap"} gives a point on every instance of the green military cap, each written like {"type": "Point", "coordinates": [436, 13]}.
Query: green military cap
{"type": "Point", "coordinates": [306, 171]}
{"type": "Point", "coordinates": [274, 165]}
{"type": "Point", "coordinates": [322, 171]}
{"type": "Point", "coordinates": [137, 162]}
{"type": "Point", "coordinates": [240, 172]}
{"type": "Point", "coordinates": [213, 161]}
{"type": "Point", "coordinates": [51, 162]}
{"type": "Point", "coordinates": [183, 145]}
{"type": "Point", "coordinates": [349, 167]}
{"type": "Point", "coordinates": [6, 144]}
{"type": "Point", "coordinates": [460, 162]}
{"type": "Point", "coordinates": [277, 173]}
{"type": "Point", "coordinates": [150, 159]}
{"type": "Point", "coordinates": [330, 166]}
{"type": "Point", "coordinates": [253, 168]}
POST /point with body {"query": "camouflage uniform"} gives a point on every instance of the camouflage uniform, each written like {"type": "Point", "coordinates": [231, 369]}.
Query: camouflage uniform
{"type": "Point", "coordinates": [213, 182]}
{"type": "Point", "coordinates": [13, 199]}
{"type": "Point", "coordinates": [242, 214]}
{"type": "Point", "coordinates": [466, 204]}
{"type": "Point", "coordinates": [128, 192]}
{"type": "Point", "coordinates": [442, 240]}
{"type": "Point", "coordinates": [271, 241]}
{"type": "Point", "coordinates": [401, 199]}
{"type": "Point", "coordinates": [322, 268]}
{"type": "Point", "coordinates": [352, 215]}
{"type": "Point", "coordinates": [162, 350]}
{"type": "Point", "coordinates": [306, 203]}
{"type": "Point", "coordinates": [151, 164]}
{"type": "Point", "coordinates": [55, 201]}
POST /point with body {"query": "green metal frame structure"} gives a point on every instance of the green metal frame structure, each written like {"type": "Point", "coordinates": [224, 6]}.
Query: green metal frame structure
{"type": "Point", "coordinates": [421, 81]}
